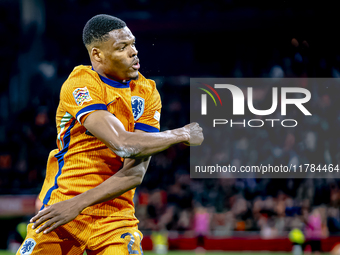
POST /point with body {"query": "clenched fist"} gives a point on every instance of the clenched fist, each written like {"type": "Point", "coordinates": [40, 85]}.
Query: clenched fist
{"type": "Point", "coordinates": [195, 133]}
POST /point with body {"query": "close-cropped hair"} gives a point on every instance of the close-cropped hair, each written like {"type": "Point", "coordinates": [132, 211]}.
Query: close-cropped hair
{"type": "Point", "coordinates": [98, 27]}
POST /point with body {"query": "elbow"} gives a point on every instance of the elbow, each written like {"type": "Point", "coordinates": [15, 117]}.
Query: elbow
{"type": "Point", "coordinates": [138, 181]}
{"type": "Point", "coordinates": [138, 176]}
{"type": "Point", "coordinates": [123, 153]}
{"type": "Point", "coordinates": [125, 149]}
{"type": "Point", "coordinates": [135, 181]}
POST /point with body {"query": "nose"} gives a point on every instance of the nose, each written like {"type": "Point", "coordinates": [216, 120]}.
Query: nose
{"type": "Point", "coordinates": [134, 51]}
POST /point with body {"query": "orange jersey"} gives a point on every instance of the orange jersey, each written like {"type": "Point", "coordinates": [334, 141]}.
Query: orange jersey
{"type": "Point", "coordinates": [96, 235]}
{"type": "Point", "coordinates": [82, 161]}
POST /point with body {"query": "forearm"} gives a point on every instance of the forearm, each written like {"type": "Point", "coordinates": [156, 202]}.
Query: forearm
{"type": "Point", "coordinates": [130, 176]}
{"type": "Point", "coordinates": [140, 145]}
{"type": "Point", "coordinates": [108, 190]}
{"type": "Point", "coordinates": [63, 212]}
{"type": "Point", "coordinates": [112, 133]}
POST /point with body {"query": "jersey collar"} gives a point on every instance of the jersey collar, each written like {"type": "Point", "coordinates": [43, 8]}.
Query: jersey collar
{"type": "Point", "coordinates": [113, 83]}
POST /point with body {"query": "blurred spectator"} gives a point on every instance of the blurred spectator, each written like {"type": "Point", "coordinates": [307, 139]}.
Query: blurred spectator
{"type": "Point", "coordinates": [313, 230]}
{"type": "Point", "coordinates": [268, 229]}
{"type": "Point", "coordinates": [201, 224]}
{"type": "Point", "coordinates": [223, 224]}
{"type": "Point", "coordinates": [333, 220]}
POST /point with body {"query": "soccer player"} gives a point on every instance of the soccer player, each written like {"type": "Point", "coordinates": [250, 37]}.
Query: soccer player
{"type": "Point", "coordinates": [108, 127]}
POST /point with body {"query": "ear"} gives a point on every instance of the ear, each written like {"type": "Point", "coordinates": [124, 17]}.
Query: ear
{"type": "Point", "coordinates": [96, 54]}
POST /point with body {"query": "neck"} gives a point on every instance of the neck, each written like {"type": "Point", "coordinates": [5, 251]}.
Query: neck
{"type": "Point", "coordinates": [101, 73]}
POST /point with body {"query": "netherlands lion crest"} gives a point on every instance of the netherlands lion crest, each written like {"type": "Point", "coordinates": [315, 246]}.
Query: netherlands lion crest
{"type": "Point", "coordinates": [137, 104]}
{"type": "Point", "coordinates": [27, 247]}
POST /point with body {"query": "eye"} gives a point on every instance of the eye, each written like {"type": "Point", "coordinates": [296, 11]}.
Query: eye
{"type": "Point", "coordinates": [121, 49]}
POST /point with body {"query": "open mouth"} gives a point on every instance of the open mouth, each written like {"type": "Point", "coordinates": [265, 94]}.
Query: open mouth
{"type": "Point", "coordinates": [136, 65]}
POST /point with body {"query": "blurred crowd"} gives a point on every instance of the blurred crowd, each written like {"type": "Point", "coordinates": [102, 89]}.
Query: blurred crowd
{"type": "Point", "coordinates": [236, 207]}
{"type": "Point", "coordinates": [45, 49]}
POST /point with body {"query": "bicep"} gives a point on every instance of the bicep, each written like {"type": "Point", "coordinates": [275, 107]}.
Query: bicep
{"type": "Point", "coordinates": [106, 127]}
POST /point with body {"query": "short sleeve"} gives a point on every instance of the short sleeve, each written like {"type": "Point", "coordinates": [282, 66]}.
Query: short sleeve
{"type": "Point", "coordinates": [149, 121]}
{"type": "Point", "coordinates": [82, 94]}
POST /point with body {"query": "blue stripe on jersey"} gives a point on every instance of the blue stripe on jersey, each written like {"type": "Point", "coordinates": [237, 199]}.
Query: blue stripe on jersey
{"type": "Point", "coordinates": [145, 127]}
{"type": "Point", "coordinates": [90, 108]}
{"type": "Point", "coordinates": [113, 83]}
{"type": "Point", "coordinates": [60, 156]}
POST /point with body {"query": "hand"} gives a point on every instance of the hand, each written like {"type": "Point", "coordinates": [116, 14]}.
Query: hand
{"type": "Point", "coordinates": [56, 215]}
{"type": "Point", "coordinates": [195, 134]}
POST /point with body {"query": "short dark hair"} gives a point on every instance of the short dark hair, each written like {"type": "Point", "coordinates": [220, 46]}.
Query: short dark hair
{"type": "Point", "coordinates": [98, 27]}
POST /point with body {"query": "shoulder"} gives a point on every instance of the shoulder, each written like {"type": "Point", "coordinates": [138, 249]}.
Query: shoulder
{"type": "Point", "coordinates": [82, 76]}
{"type": "Point", "coordinates": [83, 72]}
{"type": "Point", "coordinates": [143, 85]}
{"type": "Point", "coordinates": [82, 82]}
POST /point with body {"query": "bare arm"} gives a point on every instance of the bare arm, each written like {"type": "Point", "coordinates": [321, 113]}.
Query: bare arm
{"type": "Point", "coordinates": [136, 145]}
{"type": "Point", "coordinates": [107, 128]}
{"type": "Point", "coordinates": [130, 176]}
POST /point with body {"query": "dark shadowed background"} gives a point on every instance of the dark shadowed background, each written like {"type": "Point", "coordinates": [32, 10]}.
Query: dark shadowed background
{"type": "Point", "coordinates": [41, 43]}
